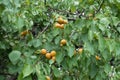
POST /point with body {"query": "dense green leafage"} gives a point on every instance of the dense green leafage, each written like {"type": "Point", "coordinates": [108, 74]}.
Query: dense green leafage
{"type": "Point", "coordinates": [27, 26]}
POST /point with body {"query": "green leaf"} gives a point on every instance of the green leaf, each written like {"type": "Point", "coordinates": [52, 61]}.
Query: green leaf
{"type": "Point", "coordinates": [19, 23]}
{"type": "Point", "coordinates": [20, 77]}
{"type": "Point", "coordinates": [2, 7]}
{"type": "Point", "coordinates": [104, 21]}
{"type": "Point", "coordinates": [14, 56]}
{"type": "Point", "coordinates": [111, 45]}
{"type": "Point", "coordinates": [73, 8]}
{"type": "Point", "coordinates": [35, 42]}
{"type": "Point", "coordinates": [93, 70]}
{"type": "Point", "coordinates": [98, 77]}
{"type": "Point", "coordinates": [107, 68]}
{"type": "Point", "coordinates": [55, 32]}
{"type": "Point", "coordinates": [57, 40]}
{"type": "Point", "coordinates": [101, 27]}
{"type": "Point", "coordinates": [90, 35]}
{"type": "Point", "coordinates": [89, 47]}
{"type": "Point", "coordinates": [17, 3]}
{"type": "Point", "coordinates": [105, 54]}
{"type": "Point", "coordinates": [117, 49]}
{"type": "Point", "coordinates": [118, 28]}
{"type": "Point", "coordinates": [74, 61]}
{"type": "Point", "coordinates": [39, 74]}
{"type": "Point", "coordinates": [15, 68]}
{"type": "Point", "coordinates": [75, 36]}
{"type": "Point", "coordinates": [46, 68]}
{"type": "Point", "coordinates": [27, 78]}
{"type": "Point", "coordinates": [71, 50]}
{"type": "Point", "coordinates": [51, 62]}
{"type": "Point", "coordinates": [101, 42]}
{"type": "Point", "coordinates": [27, 70]}
{"type": "Point", "coordinates": [2, 45]}
{"type": "Point", "coordinates": [60, 56]}
{"type": "Point", "coordinates": [102, 74]}
{"type": "Point", "coordinates": [56, 72]}
{"type": "Point", "coordinates": [67, 77]}
{"type": "Point", "coordinates": [2, 77]}
{"type": "Point", "coordinates": [115, 21]}
{"type": "Point", "coordinates": [69, 63]}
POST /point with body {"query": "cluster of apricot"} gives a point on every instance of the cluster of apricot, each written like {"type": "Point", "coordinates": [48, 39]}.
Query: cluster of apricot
{"type": "Point", "coordinates": [49, 55]}
{"type": "Point", "coordinates": [79, 50]}
{"type": "Point", "coordinates": [60, 23]}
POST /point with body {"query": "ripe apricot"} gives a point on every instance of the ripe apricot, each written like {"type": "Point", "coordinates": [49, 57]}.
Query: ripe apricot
{"type": "Point", "coordinates": [80, 50]}
{"type": "Point", "coordinates": [75, 52]}
{"type": "Point", "coordinates": [43, 51]}
{"type": "Point", "coordinates": [24, 33]}
{"type": "Point", "coordinates": [53, 53]}
{"type": "Point", "coordinates": [63, 42]}
{"type": "Point", "coordinates": [97, 58]}
{"type": "Point", "coordinates": [47, 78]}
{"type": "Point", "coordinates": [95, 18]}
{"type": "Point", "coordinates": [65, 22]}
{"type": "Point", "coordinates": [53, 58]}
{"type": "Point", "coordinates": [57, 25]}
{"type": "Point", "coordinates": [60, 20]}
{"type": "Point", "coordinates": [61, 26]}
{"type": "Point", "coordinates": [90, 15]}
{"type": "Point", "coordinates": [48, 55]}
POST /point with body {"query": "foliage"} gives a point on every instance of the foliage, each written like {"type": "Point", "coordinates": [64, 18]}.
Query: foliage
{"type": "Point", "coordinates": [91, 47]}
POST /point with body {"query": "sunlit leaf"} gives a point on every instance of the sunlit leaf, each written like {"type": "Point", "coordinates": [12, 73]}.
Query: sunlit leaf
{"type": "Point", "coordinates": [27, 70]}
{"type": "Point", "coordinates": [14, 56]}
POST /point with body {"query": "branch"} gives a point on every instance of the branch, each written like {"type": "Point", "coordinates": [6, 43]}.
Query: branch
{"type": "Point", "coordinates": [42, 31]}
{"type": "Point", "coordinates": [73, 31]}
{"type": "Point", "coordinates": [81, 14]}
{"type": "Point", "coordinates": [54, 9]}
{"type": "Point", "coordinates": [71, 19]}
{"type": "Point", "coordinates": [3, 73]}
{"type": "Point", "coordinates": [66, 12]}
{"type": "Point", "coordinates": [99, 7]}
{"type": "Point", "coordinates": [45, 2]}
{"type": "Point", "coordinates": [116, 30]}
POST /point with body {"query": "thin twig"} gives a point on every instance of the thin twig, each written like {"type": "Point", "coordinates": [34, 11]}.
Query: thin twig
{"type": "Point", "coordinates": [77, 13]}
{"type": "Point", "coordinates": [99, 7]}
{"type": "Point", "coordinates": [65, 11]}
{"type": "Point", "coordinates": [72, 33]}
{"type": "Point", "coordinates": [45, 2]}
{"type": "Point", "coordinates": [3, 73]}
{"type": "Point", "coordinates": [42, 31]}
{"type": "Point", "coordinates": [81, 14]}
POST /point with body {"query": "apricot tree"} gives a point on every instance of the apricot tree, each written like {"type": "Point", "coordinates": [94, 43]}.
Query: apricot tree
{"type": "Point", "coordinates": [60, 40]}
